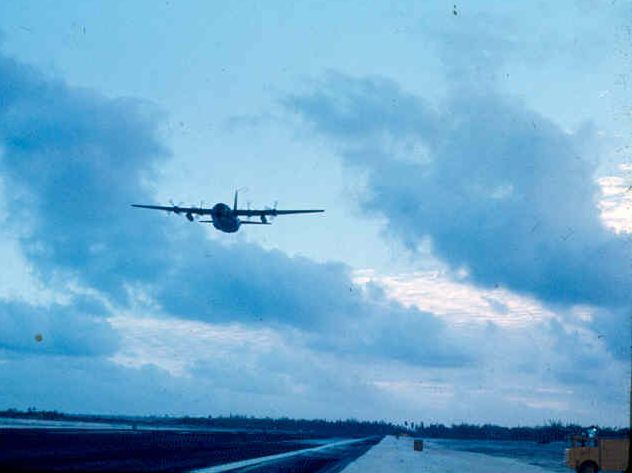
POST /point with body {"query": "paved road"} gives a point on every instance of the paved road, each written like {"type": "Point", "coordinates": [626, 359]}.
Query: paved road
{"type": "Point", "coordinates": [329, 458]}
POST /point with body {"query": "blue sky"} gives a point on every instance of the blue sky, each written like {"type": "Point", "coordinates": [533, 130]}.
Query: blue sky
{"type": "Point", "coordinates": [473, 263]}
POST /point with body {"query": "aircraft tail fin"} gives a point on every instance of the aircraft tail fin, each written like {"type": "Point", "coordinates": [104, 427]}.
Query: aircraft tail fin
{"type": "Point", "coordinates": [235, 201]}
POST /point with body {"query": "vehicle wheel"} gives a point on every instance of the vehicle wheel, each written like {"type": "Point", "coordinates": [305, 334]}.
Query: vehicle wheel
{"type": "Point", "coordinates": [588, 468]}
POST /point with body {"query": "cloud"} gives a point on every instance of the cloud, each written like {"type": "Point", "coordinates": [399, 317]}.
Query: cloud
{"type": "Point", "coordinates": [73, 161]}
{"type": "Point", "coordinates": [616, 201]}
{"type": "Point", "coordinates": [457, 301]}
{"type": "Point", "coordinates": [501, 192]}
{"type": "Point", "coordinates": [262, 332]}
{"type": "Point", "coordinates": [232, 367]}
{"type": "Point", "coordinates": [55, 330]}
{"type": "Point", "coordinates": [88, 385]}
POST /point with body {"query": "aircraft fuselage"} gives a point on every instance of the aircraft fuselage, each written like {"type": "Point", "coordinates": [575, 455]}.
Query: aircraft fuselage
{"type": "Point", "coordinates": [224, 219]}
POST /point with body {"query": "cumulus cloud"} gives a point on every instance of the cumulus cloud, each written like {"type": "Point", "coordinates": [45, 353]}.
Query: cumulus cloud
{"type": "Point", "coordinates": [73, 161]}
{"type": "Point", "coordinates": [502, 192]}
{"type": "Point", "coordinates": [509, 201]}
{"type": "Point", "coordinates": [458, 301]}
{"type": "Point", "coordinates": [317, 341]}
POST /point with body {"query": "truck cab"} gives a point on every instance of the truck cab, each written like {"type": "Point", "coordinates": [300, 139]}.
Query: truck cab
{"type": "Point", "coordinates": [590, 454]}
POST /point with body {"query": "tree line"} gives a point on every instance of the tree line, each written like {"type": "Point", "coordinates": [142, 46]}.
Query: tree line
{"type": "Point", "coordinates": [551, 431]}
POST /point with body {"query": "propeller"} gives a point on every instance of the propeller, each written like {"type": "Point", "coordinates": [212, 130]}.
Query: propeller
{"type": "Point", "coordinates": [273, 208]}
{"type": "Point", "coordinates": [177, 212]}
{"type": "Point", "coordinates": [269, 218]}
{"type": "Point", "coordinates": [191, 217]}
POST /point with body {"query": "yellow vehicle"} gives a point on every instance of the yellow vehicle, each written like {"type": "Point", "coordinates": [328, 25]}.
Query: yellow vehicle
{"type": "Point", "coordinates": [590, 454]}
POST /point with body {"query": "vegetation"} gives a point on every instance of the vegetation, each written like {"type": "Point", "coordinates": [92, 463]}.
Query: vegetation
{"type": "Point", "coordinates": [550, 432]}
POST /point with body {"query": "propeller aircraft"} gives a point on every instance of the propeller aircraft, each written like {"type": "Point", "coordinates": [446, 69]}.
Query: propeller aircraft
{"type": "Point", "coordinates": [223, 217]}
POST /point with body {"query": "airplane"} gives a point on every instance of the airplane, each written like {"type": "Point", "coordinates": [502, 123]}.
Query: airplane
{"type": "Point", "coordinates": [223, 217]}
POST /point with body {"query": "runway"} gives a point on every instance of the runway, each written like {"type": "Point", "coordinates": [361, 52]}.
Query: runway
{"type": "Point", "coordinates": [179, 450]}
{"type": "Point", "coordinates": [328, 458]}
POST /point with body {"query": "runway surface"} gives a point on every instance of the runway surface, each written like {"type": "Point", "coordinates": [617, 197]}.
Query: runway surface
{"type": "Point", "coordinates": [328, 458]}
{"type": "Point", "coordinates": [397, 455]}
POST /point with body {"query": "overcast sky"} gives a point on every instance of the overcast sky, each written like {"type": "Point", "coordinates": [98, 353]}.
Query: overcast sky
{"type": "Point", "coordinates": [474, 260]}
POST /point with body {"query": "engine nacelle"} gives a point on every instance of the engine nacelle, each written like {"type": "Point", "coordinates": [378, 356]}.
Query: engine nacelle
{"type": "Point", "coordinates": [189, 217]}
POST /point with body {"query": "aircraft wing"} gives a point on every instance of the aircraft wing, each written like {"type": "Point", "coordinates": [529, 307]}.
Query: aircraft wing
{"type": "Point", "coordinates": [177, 210]}
{"type": "Point", "coordinates": [273, 212]}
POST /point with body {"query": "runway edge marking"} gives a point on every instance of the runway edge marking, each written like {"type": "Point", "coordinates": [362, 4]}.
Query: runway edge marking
{"type": "Point", "coordinates": [279, 456]}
